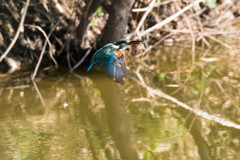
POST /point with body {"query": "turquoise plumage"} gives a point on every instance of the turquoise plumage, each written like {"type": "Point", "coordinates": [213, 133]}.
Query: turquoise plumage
{"type": "Point", "coordinates": [111, 59]}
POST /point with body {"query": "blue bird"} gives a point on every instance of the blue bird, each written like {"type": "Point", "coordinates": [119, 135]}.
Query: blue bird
{"type": "Point", "coordinates": [111, 59]}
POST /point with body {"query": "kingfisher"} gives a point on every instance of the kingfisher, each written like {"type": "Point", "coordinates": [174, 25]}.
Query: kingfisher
{"type": "Point", "coordinates": [111, 59]}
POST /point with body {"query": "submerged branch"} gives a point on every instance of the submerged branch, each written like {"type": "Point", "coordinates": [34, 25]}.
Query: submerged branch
{"type": "Point", "coordinates": [197, 112]}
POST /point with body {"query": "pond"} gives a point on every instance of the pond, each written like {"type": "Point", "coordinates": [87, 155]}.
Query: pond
{"type": "Point", "coordinates": [87, 116]}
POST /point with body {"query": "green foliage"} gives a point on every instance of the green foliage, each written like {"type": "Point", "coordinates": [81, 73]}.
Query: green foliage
{"type": "Point", "coordinates": [209, 72]}
{"type": "Point", "coordinates": [97, 93]}
{"type": "Point", "coordinates": [211, 3]}
{"type": "Point", "coordinates": [92, 22]}
{"type": "Point", "coordinates": [199, 85]}
{"type": "Point", "coordinates": [98, 13]}
{"type": "Point", "coordinates": [194, 91]}
{"type": "Point", "coordinates": [223, 29]}
{"type": "Point", "coordinates": [161, 77]}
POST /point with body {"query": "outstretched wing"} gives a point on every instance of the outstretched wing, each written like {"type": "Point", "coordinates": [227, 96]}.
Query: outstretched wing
{"type": "Point", "coordinates": [117, 69]}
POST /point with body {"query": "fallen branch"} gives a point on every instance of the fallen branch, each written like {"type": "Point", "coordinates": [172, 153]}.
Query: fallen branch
{"type": "Point", "coordinates": [20, 28]}
{"type": "Point", "coordinates": [197, 112]}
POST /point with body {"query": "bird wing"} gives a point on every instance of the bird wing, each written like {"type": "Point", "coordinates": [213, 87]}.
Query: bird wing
{"type": "Point", "coordinates": [102, 57]}
{"type": "Point", "coordinates": [117, 69]}
{"type": "Point", "coordinates": [110, 62]}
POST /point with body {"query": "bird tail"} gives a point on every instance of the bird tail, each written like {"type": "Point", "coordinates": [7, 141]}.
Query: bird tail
{"type": "Point", "coordinates": [90, 67]}
{"type": "Point", "coordinates": [119, 75]}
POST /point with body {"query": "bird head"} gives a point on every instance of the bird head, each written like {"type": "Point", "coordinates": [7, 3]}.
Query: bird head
{"type": "Point", "coordinates": [124, 43]}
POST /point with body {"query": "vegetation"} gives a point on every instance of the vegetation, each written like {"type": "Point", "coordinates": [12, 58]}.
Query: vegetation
{"type": "Point", "coordinates": [180, 101]}
{"type": "Point", "coordinates": [67, 29]}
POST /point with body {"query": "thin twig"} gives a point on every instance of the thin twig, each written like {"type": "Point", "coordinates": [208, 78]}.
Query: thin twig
{"type": "Point", "coordinates": [226, 95]}
{"type": "Point", "coordinates": [15, 16]}
{"type": "Point", "coordinates": [201, 33]}
{"type": "Point", "coordinates": [169, 19]}
{"type": "Point", "coordinates": [191, 32]}
{"type": "Point", "coordinates": [20, 28]}
{"type": "Point", "coordinates": [38, 92]}
{"type": "Point", "coordinates": [205, 32]}
{"type": "Point", "coordinates": [48, 41]}
{"type": "Point", "coordinates": [219, 41]}
{"type": "Point", "coordinates": [82, 60]}
{"type": "Point", "coordinates": [43, 50]}
{"type": "Point", "coordinates": [156, 5]}
{"type": "Point", "coordinates": [193, 37]}
{"type": "Point", "coordinates": [68, 55]}
{"type": "Point", "coordinates": [149, 9]}
{"type": "Point", "coordinates": [153, 46]}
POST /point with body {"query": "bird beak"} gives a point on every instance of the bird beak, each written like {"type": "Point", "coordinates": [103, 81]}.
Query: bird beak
{"type": "Point", "coordinates": [135, 42]}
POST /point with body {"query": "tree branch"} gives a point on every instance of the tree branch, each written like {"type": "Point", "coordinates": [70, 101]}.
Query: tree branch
{"type": "Point", "coordinates": [20, 28]}
{"type": "Point", "coordinates": [169, 19]}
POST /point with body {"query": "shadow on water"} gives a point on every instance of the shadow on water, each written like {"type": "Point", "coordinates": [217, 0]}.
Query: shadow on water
{"type": "Point", "coordinates": [193, 124]}
{"type": "Point", "coordinates": [61, 109]}
{"type": "Point", "coordinates": [89, 116]}
{"type": "Point", "coordinates": [113, 97]}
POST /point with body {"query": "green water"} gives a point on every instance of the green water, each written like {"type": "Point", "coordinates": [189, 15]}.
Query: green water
{"type": "Point", "coordinates": [87, 116]}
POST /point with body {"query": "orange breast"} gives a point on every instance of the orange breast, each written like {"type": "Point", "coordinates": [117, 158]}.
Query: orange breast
{"type": "Point", "coordinates": [119, 52]}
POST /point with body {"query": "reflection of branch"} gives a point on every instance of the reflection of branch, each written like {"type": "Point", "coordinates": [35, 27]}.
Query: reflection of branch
{"type": "Point", "coordinates": [20, 28]}
{"type": "Point", "coordinates": [198, 112]}
{"type": "Point", "coordinates": [219, 41]}
{"type": "Point", "coordinates": [38, 92]}
{"type": "Point", "coordinates": [228, 97]}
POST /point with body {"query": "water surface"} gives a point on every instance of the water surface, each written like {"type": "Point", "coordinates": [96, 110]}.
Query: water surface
{"type": "Point", "coordinates": [88, 116]}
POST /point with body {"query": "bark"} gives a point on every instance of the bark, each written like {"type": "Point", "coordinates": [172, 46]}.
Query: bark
{"type": "Point", "coordinates": [90, 8]}
{"type": "Point", "coordinates": [117, 22]}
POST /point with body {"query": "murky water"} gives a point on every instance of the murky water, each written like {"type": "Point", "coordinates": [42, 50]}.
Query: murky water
{"type": "Point", "coordinates": [87, 116]}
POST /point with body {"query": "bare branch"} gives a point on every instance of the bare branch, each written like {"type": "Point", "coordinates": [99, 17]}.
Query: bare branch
{"type": "Point", "coordinates": [169, 19]}
{"type": "Point", "coordinates": [43, 50]}
{"type": "Point", "coordinates": [82, 60]}
{"type": "Point", "coordinates": [47, 39]}
{"type": "Point", "coordinates": [20, 28]}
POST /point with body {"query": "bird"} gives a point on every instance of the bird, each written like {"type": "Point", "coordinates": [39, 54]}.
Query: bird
{"type": "Point", "coordinates": [111, 59]}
